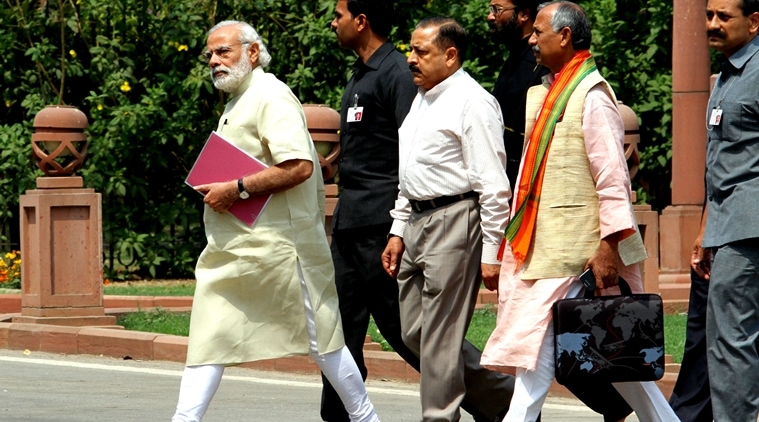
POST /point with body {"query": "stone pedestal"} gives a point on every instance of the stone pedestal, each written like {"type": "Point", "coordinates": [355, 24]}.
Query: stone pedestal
{"type": "Point", "coordinates": [324, 127]}
{"type": "Point", "coordinates": [679, 226]}
{"type": "Point", "coordinates": [61, 246]}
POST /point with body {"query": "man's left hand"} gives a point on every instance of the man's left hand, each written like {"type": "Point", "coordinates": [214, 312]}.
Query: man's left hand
{"type": "Point", "coordinates": [219, 196]}
{"type": "Point", "coordinates": [490, 275]}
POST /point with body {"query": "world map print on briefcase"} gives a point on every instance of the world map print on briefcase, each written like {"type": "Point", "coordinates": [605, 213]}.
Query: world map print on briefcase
{"type": "Point", "coordinates": [609, 338]}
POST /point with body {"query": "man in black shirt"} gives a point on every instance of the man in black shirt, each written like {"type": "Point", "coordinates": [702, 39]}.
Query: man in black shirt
{"type": "Point", "coordinates": [510, 24]}
{"type": "Point", "coordinates": [376, 100]}
{"type": "Point", "coordinates": [374, 104]}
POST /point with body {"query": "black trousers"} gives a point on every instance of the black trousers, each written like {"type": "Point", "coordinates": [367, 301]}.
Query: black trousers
{"type": "Point", "coordinates": [690, 398]}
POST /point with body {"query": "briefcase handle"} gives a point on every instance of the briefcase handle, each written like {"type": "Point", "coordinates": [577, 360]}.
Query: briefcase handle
{"type": "Point", "coordinates": [624, 288]}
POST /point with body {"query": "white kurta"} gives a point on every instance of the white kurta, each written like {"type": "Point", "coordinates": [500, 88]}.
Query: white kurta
{"type": "Point", "coordinates": [248, 303]}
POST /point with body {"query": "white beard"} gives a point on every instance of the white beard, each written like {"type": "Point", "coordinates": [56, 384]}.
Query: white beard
{"type": "Point", "coordinates": [228, 82]}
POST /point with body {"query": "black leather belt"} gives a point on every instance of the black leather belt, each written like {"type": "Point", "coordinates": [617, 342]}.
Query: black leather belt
{"type": "Point", "coordinates": [441, 201]}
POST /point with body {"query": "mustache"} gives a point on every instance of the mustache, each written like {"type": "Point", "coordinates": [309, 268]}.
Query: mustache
{"type": "Point", "coordinates": [220, 69]}
{"type": "Point", "coordinates": [716, 33]}
{"type": "Point", "coordinates": [414, 69]}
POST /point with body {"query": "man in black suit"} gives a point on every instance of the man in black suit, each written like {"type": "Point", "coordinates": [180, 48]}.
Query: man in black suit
{"type": "Point", "coordinates": [375, 102]}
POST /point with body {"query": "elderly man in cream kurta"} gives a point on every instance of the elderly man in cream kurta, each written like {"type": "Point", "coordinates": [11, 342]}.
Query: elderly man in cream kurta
{"type": "Point", "coordinates": [264, 291]}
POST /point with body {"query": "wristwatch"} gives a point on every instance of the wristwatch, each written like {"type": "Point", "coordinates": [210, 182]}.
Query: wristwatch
{"type": "Point", "coordinates": [243, 193]}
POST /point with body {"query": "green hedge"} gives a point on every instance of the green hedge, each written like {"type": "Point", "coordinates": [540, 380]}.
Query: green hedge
{"type": "Point", "coordinates": [133, 67]}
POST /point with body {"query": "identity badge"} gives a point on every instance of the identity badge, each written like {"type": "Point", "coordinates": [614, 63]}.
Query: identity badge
{"type": "Point", "coordinates": [716, 117]}
{"type": "Point", "coordinates": [355, 114]}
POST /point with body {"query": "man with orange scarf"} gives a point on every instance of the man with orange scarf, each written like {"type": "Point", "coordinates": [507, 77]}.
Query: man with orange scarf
{"type": "Point", "coordinates": [572, 211]}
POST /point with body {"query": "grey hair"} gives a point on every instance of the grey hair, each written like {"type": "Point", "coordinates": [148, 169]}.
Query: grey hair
{"type": "Point", "coordinates": [571, 15]}
{"type": "Point", "coordinates": [248, 35]}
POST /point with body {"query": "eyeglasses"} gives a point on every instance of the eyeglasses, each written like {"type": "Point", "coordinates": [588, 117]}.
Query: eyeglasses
{"type": "Point", "coordinates": [223, 52]}
{"type": "Point", "coordinates": [496, 10]}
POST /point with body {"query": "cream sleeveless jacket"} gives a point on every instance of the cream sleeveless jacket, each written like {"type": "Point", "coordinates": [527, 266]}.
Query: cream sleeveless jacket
{"type": "Point", "coordinates": [569, 197]}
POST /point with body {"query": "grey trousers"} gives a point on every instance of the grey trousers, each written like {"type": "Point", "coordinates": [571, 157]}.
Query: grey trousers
{"type": "Point", "coordinates": [438, 280]}
{"type": "Point", "coordinates": [732, 332]}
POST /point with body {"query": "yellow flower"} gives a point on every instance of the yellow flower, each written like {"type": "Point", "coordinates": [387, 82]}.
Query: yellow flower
{"type": "Point", "coordinates": [8, 103]}
{"type": "Point", "coordinates": [11, 255]}
{"type": "Point", "coordinates": [125, 87]}
{"type": "Point", "coordinates": [402, 47]}
{"type": "Point", "coordinates": [72, 53]}
{"type": "Point", "coordinates": [408, 54]}
{"type": "Point", "coordinates": [100, 106]}
{"type": "Point", "coordinates": [182, 47]}
{"type": "Point", "coordinates": [172, 43]}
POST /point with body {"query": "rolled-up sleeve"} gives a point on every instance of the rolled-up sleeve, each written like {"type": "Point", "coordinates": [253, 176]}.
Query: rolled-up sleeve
{"type": "Point", "coordinates": [604, 141]}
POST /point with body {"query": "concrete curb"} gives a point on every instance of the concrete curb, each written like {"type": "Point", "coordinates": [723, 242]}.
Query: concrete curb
{"type": "Point", "coordinates": [119, 343]}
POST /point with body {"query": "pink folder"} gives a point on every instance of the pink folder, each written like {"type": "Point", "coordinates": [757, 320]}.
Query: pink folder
{"type": "Point", "coordinates": [221, 161]}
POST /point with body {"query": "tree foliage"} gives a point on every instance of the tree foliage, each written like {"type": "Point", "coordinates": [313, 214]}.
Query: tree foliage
{"type": "Point", "coordinates": [133, 67]}
{"type": "Point", "coordinates": [632, 42]}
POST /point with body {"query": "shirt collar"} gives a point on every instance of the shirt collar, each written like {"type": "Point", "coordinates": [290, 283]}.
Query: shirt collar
{"type": "Point", "coordinates": [742, 56]}
{"type": "Point", "coordinates": [438, 89]}
{"type": "Point", "coordinates": [376, 58]}
{"type": "Point", "coordinates": [548, 79]}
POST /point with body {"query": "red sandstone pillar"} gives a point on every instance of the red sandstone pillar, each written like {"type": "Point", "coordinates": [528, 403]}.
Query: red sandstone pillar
{"type": "Point", "coordinates": [679, 223]}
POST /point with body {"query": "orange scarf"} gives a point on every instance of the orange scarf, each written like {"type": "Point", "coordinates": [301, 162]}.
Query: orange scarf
{"type": "Point", "coordinates": [521, 228]}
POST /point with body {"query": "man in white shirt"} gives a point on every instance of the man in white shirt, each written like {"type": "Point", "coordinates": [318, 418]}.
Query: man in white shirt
{"type": "Point", "coordinates": [450, 213]}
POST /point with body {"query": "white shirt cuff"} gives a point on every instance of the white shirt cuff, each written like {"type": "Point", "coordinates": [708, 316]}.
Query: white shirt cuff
{"type": "Point", "coordinates": [490, 254]}
{"type": "Point", "coordinates": [398, 228]}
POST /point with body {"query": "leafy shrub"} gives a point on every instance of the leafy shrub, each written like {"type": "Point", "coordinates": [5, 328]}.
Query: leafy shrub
{"type": "Point", "coordinates": [133, 68]}
{"type": "Point", "coordinates": [632, 42]}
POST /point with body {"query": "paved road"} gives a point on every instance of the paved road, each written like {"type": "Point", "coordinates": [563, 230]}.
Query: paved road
{"type": "Point", "coordinates": [37, 387]}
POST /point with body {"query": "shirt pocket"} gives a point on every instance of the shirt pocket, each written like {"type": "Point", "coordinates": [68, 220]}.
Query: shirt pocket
{"type": "Point", "coordinates": [734, 122]}
{"type": "Point", "coordinates": [231, 132]}
{"type": "Point", "coordinates": [244, 138]}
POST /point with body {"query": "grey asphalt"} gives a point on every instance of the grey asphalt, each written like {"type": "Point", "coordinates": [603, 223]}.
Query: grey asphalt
{"type": "Point", "coordinates": [38, 386]}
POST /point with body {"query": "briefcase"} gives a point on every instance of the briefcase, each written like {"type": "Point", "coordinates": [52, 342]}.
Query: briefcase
{"type": "Point", "coordinates": [609, 338]}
